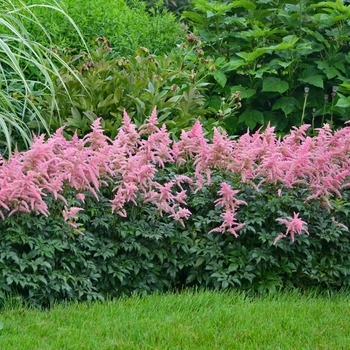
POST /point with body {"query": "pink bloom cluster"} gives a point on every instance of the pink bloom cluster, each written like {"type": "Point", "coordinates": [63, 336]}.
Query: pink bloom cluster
{"type": "Point", "coordinates": [320, 164]}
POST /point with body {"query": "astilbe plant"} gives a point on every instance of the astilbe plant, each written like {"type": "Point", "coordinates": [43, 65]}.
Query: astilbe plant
{"type": "Point", "coordinates": [128, 165]}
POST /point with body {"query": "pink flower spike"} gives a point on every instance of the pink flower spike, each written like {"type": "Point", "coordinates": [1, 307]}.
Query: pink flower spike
{"type": "Point", "coordinates": [81, 197]}
{"type": "Point", "coordinates": [70, 214]}
{"type": "Point", "coordinates": [294, 225]}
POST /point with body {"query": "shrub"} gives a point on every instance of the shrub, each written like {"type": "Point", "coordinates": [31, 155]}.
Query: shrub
{"type": "Point", "coordinates": [126, 26]}
{"type": "Point", "coordinates": [92, 217]}
{"type": "Point", "coordinates": [175, 83]}
{"type": "Point", "coordinates": [287, 59]}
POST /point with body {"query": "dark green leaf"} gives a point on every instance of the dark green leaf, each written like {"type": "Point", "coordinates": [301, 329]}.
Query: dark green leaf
{"type": "Point", "coordinates": [272, 84]}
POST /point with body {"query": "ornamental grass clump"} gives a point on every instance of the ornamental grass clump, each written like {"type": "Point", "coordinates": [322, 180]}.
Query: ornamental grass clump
{"type": "Point", "coordinates": [128, 165]}
{"type": "Point", "coordinates": [28, 70]}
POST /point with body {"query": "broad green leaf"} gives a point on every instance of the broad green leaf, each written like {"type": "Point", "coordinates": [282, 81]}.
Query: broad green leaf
{"type": "Point", "coordinates": [315, 80]}
{"type": "Point", "coordinates": [258, 74]}
{"type": "Point", "coordinates": [220, 77]}
{"type": "Point", "coordinates": [210, 14]}
{"type": "Point", "coordinates": [287, 104]}
{"type": "Point", "coordinates": [343, 102]}
{"type": "Point", "coordinates": [199, 261]}
{"type": "Point", "coordinates": [196, 17]}
{"type": "Point", "coordinates": [272, 84]}
{"type": "Point", "coordinates": [151, 87]}
{"type": "Point", "coordinates": [288, 43]}
{"type": "Point", "coordinates": [251, 118]}
{"type": "Point", "coordinates": [278, 120]}
{"type": "Point", "coordinates": [245, 92]}
{"type": "Point", "coordinates": [347, 86]}
{"type": "Point", "coordinates": [252, 56]}
{"type": "Point", "coordinates": [280, 63]}
{"type": "Point", "coordinates": [248, 5]}
{"type": "Point", "coordinates": [234, 64]}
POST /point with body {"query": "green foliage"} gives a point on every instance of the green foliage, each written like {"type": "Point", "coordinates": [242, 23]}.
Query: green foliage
{"type": "Point", "coordinates": [176, 6]}
{"type": "Point", "coordinates": [271, 51]}
{"type": "Point", "coordinates": [43, 260]}
{"type": "Point", "coordinates": [176, 84]}
{"type": "Point", "coordinates": [127, 25]}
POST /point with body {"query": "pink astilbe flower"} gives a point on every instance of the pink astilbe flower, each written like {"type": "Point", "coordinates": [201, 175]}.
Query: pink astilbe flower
{"type": "Point", "coordinates": [127, 134]}
{"type": "Point", "coordinates": [229, 224]}
{"type": "Point", "coordinates": [118, 203]}
{"type": "Point", "coordinates": [230, 204]}
{"type": "Point", "coordinates": [339, 224]}
{"type": "Point", "coordinates": [150, 127]}
{"type": "Point", "coordinates": [228, 197]}
{"type": "Point", "coordinates": [180, 214]}
{"type": "Point", "coordinates": [70, 216]}
{"type": "Point", "coordinates": [20, 190]}
{"type": "Point", "coordinates": [193, 144]}
{"type": "Point", "coordinates": [244, 156]}
{"type": "Point", "coordinates": [157, 148]}
{"type": "Point", "coordinates": [295, 225]}
{"type": "Point", "coordinates": [167, 199]}
{"type": "Point", "coordinates": [220, 151]}
{"type": "Point", "coordinates": [81, 197]}
{"type": "Point", "coordinates": [96, 138]}
{"type": "Point", "coordinates": [318, 166]}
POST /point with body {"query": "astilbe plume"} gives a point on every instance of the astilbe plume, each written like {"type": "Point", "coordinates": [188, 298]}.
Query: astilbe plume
{"type": "Point", "coordinates": [230, 204]}
{"type": "Point", "coordinates": [193, 147]}
{"type": "Point", "coordinates": [129, 163]}
{"type": "Point", "coordinates": [295, 225]}
{"type": "Point", "coordinates": [134, 171]}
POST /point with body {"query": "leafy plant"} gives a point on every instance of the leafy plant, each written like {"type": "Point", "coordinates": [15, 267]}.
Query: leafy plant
{"type": "Point", "coordinates": [272, 52]}
{"type": "Point", "coordinates": [176, 84]}
{"type": "Point", "coordinates": [93, 217]}
{"type": "Point", "coordinates": [126, 24]}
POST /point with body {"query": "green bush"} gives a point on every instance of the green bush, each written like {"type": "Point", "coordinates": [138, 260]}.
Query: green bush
{"type": "Point", "coordinates": [126, 26]}
{"type": "Point", "coordinates": [44, 261]}
{"type": "Point", "coordinates": [176, 84]}
{"type": "Point", "coordinates": [288, 59]}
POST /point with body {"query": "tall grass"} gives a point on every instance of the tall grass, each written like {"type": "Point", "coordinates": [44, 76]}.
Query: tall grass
{"type": "Point", "coordinates": [27, 68]}
{"type": "Point", "coordinates": [201, 320]}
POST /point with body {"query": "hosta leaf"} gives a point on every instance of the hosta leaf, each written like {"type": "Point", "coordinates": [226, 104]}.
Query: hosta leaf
{"type": "Point", "coordinates": [272, 84]}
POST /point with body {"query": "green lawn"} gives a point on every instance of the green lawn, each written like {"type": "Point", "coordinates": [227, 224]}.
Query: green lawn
{"type": "Point", "coordinates": [201, 320]}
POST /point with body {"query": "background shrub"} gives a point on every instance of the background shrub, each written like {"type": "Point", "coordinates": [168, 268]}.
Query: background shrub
{"type": "Point", "coordinates": [127, 25]}
{"type": "Point", "coordinates": [176, 84]}
{"type": "Point", "coordinates": [288, 59]}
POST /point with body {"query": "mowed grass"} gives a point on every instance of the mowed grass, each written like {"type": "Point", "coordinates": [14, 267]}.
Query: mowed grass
{"type": "Point", "coordinates": [191, 320]}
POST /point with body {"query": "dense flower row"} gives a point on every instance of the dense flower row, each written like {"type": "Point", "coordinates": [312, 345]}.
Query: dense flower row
{"type": "Point", "coordinates": [319, 164]}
